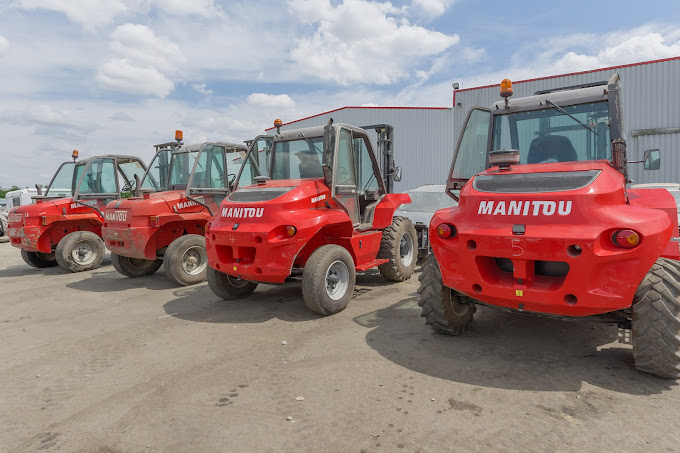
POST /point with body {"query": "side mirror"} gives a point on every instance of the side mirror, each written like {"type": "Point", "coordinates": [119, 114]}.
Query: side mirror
{"type": "Point", "coordinates": [396, 174]}
{"type": "Point", "coordinates": [652, 159]}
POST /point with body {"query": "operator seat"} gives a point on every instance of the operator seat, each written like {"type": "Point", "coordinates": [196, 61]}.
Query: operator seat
{"type": "Point", "coordinates": [550, 148]}
{"type": "Point", "coordinates": [310, 168]}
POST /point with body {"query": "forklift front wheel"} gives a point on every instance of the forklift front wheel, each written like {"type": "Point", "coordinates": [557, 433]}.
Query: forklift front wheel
{"type": "Point", "coordinates": [80, 251]}
{"type": "Point", "coordinates": [185, 260]}
{"type": "Point", "coordinates": [328, 280]}
{"type": "Point", "coordinates": [228, 287]}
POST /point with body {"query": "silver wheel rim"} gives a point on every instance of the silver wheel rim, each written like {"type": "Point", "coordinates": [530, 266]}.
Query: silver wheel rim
{"type": "Point", "coordinates": [337, 280]}
{"type": "Point", "coordinates": [237, 282]}
{"type": "Point", "coordinates": [83, 253]}
{"type": "Point", "coordinates": [406, 249]}
{"type": "Point", "coordinates": [194, 260]}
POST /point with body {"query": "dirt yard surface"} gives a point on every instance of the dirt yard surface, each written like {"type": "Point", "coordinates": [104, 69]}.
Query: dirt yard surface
{"type": "Point", "coordinates": [98, 362]}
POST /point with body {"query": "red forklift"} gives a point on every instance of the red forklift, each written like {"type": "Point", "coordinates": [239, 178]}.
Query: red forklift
{"type": "Point", "coordinates": [67, 231]}
{"type": "Point", "coordinates": [546, 223]}
{"type": "Point", "coordinates": [163, 224]}
{"type": "Point", "coordinates": [322, 212]}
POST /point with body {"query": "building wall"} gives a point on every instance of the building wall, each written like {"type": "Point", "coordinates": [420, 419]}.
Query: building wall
{"type": "Point", "coordinates": [425, 138]}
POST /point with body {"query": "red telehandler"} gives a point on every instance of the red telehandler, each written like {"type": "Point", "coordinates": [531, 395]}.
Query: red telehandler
{"type": "Point", "coordinates": [162, 224]}
{"type": "Point", "coordinates": [67, 231]}
{"type": "Point", "coordinates": [547, 224]}
{"type": "Point", "coordinates": [322, 211]}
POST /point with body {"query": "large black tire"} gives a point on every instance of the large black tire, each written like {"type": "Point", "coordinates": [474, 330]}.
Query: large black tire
{"type": "Point", "coordinates": [80, 251]}
{"type": "Point", "coordinates": [185, 260]}
{"type": "Point", "coordinates": [328, 280]}
{"type": "Point", "coordinates": [39, 260]}
{"type": "Point", "coordinates": [228, 287]}
{"type": "Point", "coordinates": [399, 245]}
{"type": "Point", "coordinates": [656, 320]}
{"type": "Point", "coordinates": [134, 267]}
{"type": "Point", "coordinates": [446, 310]}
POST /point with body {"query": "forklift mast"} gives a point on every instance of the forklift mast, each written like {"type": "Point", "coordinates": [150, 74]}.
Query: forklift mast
{"type": "Point", "coordinates": [384, 154]}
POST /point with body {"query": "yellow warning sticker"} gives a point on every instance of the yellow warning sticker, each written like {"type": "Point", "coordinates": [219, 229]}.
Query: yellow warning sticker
{"type": "Point", "coordinates": [518, 292]}
{"type": "Point", "coordinates": [235, 268]}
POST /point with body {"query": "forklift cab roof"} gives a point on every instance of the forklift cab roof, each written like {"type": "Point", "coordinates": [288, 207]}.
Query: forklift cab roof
{"type": "Point", "coordinates": [561, 98]}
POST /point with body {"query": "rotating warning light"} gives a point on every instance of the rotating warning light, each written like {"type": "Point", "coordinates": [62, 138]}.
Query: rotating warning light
{"type": "Point", "coordinates": [179, 135]}
{"type": "Point", "coordinates": [506, 88]}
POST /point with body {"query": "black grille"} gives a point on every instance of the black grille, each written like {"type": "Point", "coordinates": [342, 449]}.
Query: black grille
{"type": "Point", "coordinates": [535, 182]}
{"type": "Point", "coordinates": [263, 194]}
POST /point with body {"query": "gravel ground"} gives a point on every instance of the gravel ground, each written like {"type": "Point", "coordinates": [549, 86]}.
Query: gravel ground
{"type": "Point", "coordinates": [98, 362]}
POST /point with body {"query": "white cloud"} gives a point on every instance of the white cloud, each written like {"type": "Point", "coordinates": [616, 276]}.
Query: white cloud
{"type": "Point", "coordinates": [145, 62]}
{"type": "Point", "coordinates": [4, 45]}
{"type": "Point", "coordinates": [359, 41]}
{"type": "Point", "coordinates": [429, 8]}
{"type": "Point", "coordinates": [201, 88]}
{"type": "Point", "coordinates": [92, 14]}
{"type": "Point", "coordinates": [271, 100]}
{"type": "Point", "coordinates": [88, 13]}
{"type": "Point", "coordinates": [120, 116]}
{"type": "Point", "coordinates": [123, 75]}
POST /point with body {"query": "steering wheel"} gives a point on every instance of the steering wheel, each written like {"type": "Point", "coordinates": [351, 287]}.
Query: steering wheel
{"type": "Point", "coordinates": [127, 187]}
{"type": "Point", "coordinates": [231, 177]}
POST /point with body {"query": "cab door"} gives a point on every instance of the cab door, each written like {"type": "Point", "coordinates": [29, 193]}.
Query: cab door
{"type": "Point", "coordinates": [344, 187]}
{"type": "Point", "coordinates": [470, 156]}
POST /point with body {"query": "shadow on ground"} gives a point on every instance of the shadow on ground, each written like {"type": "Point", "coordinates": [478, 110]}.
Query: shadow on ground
{"type": "Point", "coordinates": [23, 269]}
{"type": "Point", "coordinates": [199, 304]}
{"type": "Point", "coordinates": [109, 280]}
{"type": "Point", "coordinates": [510, 351]}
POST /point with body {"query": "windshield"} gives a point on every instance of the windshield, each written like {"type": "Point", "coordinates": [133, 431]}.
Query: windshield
{"type": "Point", "coordinates": [99, 177]}
{"type": "Point", "coordinates": [62, 184]}
{"type": "Point", "coordinates": [556, 134]}
{"type": "Point", "coordinates": [295, 159]}
{"type": "Point", "coordinates": [428, 201]}
{"type": "Point", "coordinates": [209, 172]}
{"type": "Point", "coordinates": [156, 177]}
{"type": "Point", "coordinates": [129, 168]}
{"type": "Point", "coordinates": [181, 165]}
{"type": "Point", "coordinates": [257, 161]}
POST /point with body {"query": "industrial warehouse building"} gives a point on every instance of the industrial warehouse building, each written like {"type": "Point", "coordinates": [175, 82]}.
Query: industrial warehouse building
{"type": "Point", "coordinates": [424, 138]}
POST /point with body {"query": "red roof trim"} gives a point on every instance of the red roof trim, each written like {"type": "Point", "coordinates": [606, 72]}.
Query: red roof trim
{"type": "Point", "coordinates": [363, 107]}
{"type": "Point", "coordinates": [576, 73]}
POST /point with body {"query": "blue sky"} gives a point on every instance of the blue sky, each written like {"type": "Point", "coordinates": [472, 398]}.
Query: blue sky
{"type": "Point", "coordinates": [107, 76]}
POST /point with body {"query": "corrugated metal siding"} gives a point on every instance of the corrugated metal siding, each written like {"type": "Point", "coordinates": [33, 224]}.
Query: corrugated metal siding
{"type": "Point", "coordinates": [651, 99]}
{"type": "Point", "coordinates": [422, 143]}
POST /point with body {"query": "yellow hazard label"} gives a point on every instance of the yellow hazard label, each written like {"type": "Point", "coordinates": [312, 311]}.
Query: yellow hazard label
{"type": "Point", "coordinates": [519, 293]}
{"type": "Point", "coordinates": [235, 268]}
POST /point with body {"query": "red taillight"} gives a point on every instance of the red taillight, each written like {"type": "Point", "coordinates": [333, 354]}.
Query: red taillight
{"type": "Point", "coordinates": [445, 230]}
{"type": "Point", "coordinates": [155, 221]}
{"type": "Point", "coordinates": [627, 239]}
{"type": "Point", "coordinates": [290, 231]}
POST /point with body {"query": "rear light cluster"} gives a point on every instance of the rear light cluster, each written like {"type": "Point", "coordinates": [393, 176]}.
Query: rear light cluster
{"type": "Point", "coordinates": [155, 221]}
{"type": "Point", "coordinates": [290, 231]}
{"type": "Point", "coordinates": [446, 230]}
{"type": "Point", "coordinates": [626, 239]}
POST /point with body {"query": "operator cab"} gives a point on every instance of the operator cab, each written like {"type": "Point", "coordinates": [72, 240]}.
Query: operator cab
{"type": "Point", "coordinates": [337, 155]}
{"type": "Point", "coordinates": [212, 172]}
{"type": "Point", "coordinates": [566, 125]}
{"type": "Point", "coordinates": [106, 177]}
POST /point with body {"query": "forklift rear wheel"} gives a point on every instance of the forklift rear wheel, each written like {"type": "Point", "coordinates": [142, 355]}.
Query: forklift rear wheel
{"type": "Point", "coordinates": [399, 245]}
{"type": "Point", "coordinates": [134, 267]}
{"type": "Point", "coordinates": [228, 287]}
{"type": "Point", "coordinates": [656, 320]}
{"type": "Point", "coordinates": [80, 251]}
{"type": "Point", "coordinates": [328, 280]}
{"type": "Point", "coordinates": [185, 260]}
{"type": "Point", "coordinates": [38, 259]}
{"type": "Point", "coordinates": [447, 311]}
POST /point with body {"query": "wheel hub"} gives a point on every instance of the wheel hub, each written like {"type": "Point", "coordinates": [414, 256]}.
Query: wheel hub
{"type": "Point", "coordinates": [406, 249]}
{"type": "Point", "coordinates": [337, 280]}
{"type": "Point", "coordinates": [194, 260]}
